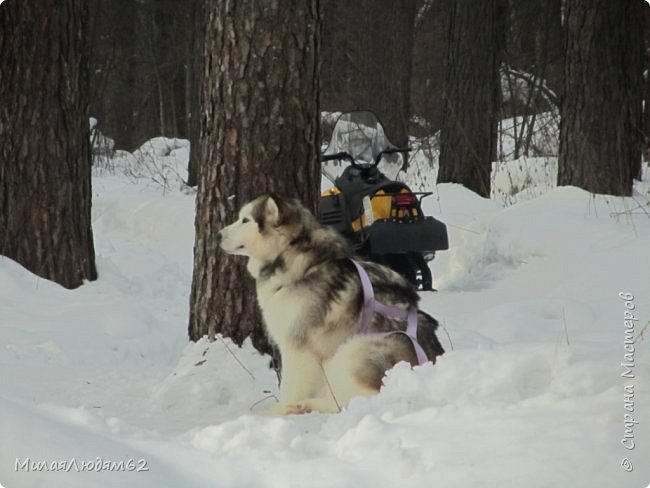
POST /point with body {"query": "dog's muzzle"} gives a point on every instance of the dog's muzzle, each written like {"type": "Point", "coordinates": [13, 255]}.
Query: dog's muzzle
{"type": "Point", "coordinates": [226, 245]}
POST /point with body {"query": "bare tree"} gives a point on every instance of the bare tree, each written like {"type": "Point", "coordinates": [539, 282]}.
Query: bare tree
{"type": "Point", "coordinates": [44, 140]}
{"type": "Point", "coordinates": [259, 133]}
{"type": "Point", "coordinates": [601, 121]}
{"type": "Point", "coordinates": [471, 95]}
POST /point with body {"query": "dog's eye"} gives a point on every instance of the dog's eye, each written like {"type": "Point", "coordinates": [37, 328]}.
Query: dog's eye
{"type": "Point", "coordinates": [245, 220]}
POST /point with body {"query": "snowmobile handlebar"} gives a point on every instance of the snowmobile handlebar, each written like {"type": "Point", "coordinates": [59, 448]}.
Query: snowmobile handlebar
{"type": "Point", "coordinates": [347, 156]}
{"type": "Point", "coordinates": [338, 155]}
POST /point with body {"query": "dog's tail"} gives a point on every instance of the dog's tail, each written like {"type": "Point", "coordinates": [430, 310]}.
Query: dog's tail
{"type": "Point", "coordinates": [427, 337]}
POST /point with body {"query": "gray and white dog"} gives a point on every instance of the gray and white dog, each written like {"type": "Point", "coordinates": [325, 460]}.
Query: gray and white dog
{"type": "Point", "coordinates": [311, 299]}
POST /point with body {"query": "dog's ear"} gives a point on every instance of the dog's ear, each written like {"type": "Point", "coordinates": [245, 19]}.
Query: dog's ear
{"type": "Point", "coordinates": [272, 211]}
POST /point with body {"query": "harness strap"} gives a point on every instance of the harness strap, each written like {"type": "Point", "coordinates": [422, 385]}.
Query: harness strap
{"type": "Point", "coordinates": [370, 306]}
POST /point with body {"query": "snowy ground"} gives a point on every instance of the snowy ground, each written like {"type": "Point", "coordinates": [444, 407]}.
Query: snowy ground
{"type": "Point", "coordinates": [529, 394]}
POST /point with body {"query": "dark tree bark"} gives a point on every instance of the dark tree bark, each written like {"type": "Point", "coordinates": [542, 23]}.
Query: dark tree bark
{"type": "Point", "coordinates": [471, 95]}
{"type": "Point", "coordinates": [601, 127]}
{"type": "Point", "coordinates": [367, 47]}
{"type": "Point", "coordinates": [45, 195]}
{"type": "Point", "coordinates": [259, 132]}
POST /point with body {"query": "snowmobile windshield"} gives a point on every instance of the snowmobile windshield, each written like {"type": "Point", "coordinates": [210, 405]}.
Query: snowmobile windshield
{"type": "Point", "coordinates": [361, 135]}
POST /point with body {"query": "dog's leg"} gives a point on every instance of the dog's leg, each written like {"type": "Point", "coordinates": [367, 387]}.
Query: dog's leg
{"type": "Point", "coordinates": [348, 374]}
{"type": "Point", "coordinates": [302, 377]}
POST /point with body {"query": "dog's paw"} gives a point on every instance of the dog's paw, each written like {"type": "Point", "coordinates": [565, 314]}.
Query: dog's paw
{"type": "Point", "coordinates": [299, 409]}
{"type": "Point", "coordinates": [279, 409]}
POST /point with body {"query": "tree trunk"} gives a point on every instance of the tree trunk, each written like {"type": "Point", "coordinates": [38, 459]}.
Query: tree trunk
{"type": "Point", "coordinates": [471, 95]}
{"type": "Point", "coordinates": [260, 132]}
{"type": "Point", "coordinates": [45, 195]}
{"type": "Point", "coordinates": [601, 127]}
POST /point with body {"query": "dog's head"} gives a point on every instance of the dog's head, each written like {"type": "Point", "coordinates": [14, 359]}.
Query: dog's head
{"type": "Point", "coordinates": [264, 228]}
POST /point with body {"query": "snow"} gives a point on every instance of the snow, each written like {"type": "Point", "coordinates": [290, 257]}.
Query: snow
{"type": "Point", "coordinates": [162, 160]}
{"type": "Point", "coordinates": [545, 137]}
{"type": "Point", "coordinates": [529, 393]}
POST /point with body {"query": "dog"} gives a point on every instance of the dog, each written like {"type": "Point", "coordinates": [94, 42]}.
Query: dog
{"type": "Point", "coordinates": [311, 299]}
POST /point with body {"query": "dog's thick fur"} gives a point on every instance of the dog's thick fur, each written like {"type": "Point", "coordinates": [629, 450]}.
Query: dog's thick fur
{"type": "Point", "coordinates": [311, 297]}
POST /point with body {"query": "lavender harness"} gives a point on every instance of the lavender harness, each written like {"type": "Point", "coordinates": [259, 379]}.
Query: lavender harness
{"type": "Point", "coordinates": [370, 306]}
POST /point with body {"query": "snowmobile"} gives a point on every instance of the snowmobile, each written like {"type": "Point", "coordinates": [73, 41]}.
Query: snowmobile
{"type": "Point", "coordinates": [379, 215]}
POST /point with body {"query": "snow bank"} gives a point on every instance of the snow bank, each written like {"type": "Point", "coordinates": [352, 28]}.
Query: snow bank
{"type": "Point", "coordinates": [530, 392]}
{"type": "Point", "coordinates": [161, 161]}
